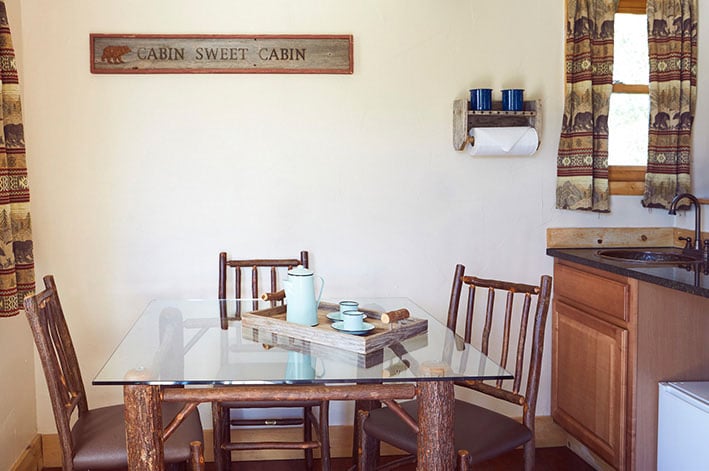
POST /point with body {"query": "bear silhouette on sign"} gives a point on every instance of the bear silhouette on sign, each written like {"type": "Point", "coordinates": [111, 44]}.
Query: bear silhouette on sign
{"type": "Point", "coordinates": [114, 54]}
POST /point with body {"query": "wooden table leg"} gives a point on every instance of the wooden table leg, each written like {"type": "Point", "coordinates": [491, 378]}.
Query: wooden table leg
{"type": "Point", "coordinates": [436, 449]}
{"type": "Point", "coordinates": [143, 427]}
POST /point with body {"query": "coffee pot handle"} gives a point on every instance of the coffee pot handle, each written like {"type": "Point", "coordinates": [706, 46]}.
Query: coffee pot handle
{"type": "Point", "coordinates": [322, 287]}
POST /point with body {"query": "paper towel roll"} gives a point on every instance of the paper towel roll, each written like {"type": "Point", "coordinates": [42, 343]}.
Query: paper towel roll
{"type": "Point", "coordinates": [519, 140]}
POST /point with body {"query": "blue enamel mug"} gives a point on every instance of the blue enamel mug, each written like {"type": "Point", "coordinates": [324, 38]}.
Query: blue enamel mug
{"type": "Point", "coordinates": [513, 99]}
{"type": "Point", "coordinates": [481, 99]}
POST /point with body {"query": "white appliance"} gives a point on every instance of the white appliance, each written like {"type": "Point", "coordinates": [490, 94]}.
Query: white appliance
{"type": "Point", "coordinates": [683, 426]}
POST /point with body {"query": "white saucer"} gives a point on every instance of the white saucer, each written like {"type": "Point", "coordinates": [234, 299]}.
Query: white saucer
{"type": "Point", "coordinates": [337, 316]}
{"type": "Point", "coordinates": [366, 327]}
{"type": "Point", "coordinates": [334, 316]}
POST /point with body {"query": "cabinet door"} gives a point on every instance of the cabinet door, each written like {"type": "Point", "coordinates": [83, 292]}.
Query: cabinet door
{"type": "Point", "coordinates": [589, 380]}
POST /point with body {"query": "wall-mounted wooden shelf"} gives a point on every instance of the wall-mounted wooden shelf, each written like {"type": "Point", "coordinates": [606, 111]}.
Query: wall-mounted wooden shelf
{"type": "Point", "coordinates": [464, 119]}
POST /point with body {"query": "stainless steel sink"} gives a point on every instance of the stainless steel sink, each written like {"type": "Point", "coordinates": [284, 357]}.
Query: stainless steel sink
{"type": "Point", "coordinates": [669, 255]}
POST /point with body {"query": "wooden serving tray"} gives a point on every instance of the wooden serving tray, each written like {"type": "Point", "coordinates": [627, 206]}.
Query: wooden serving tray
{"type": "Point", "coordinates": [273, 320]}
{"type": "Point", "coordinates": [270, 339]}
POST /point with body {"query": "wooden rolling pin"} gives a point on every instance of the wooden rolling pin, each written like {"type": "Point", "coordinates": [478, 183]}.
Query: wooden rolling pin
{"type": "Point", "coordinates": [277, 296]}
{"type": "Point", "coordinates": [394, 316]}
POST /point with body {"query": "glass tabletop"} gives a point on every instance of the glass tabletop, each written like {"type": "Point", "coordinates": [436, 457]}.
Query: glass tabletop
{"type": "Point", "coordinates": [181, 342]}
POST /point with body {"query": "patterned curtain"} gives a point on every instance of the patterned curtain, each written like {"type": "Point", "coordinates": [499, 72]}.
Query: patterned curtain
{"type": "Point", "coordinates": [672, 42]}
{"type": "Point", "coordinates": [582, 163]}
{"type": "Point", "coordinates": [16, 258]}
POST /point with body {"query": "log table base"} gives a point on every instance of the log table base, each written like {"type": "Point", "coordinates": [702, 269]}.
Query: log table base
{"type": "Point", "coordinates": [436, 448]}
{"type": "Point", "coordinates": [144, 427]}
{"type": "Point", "coordinates": [143, 420]}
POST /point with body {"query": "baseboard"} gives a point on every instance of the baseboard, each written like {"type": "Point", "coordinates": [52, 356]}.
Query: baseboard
{"type": "Point", "coordinates": [548, 434]}
{"type": "Point", "coordinates": [583, 452]}
{"type": "Point", "coordinates": [31, 458]}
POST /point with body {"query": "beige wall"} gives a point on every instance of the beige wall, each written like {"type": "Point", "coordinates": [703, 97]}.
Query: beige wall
{"type": "Point", "coordinates": [18, 420]}
{"type": "Point", "coordinates": [138, 181]}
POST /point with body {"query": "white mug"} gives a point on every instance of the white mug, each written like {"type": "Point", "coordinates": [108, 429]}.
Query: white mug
{"type": "Point", "coordinates": [353, 320]}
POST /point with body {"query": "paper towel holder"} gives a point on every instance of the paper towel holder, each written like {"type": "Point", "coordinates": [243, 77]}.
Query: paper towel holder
{"type": "Point", "coordinates": [464, 119]}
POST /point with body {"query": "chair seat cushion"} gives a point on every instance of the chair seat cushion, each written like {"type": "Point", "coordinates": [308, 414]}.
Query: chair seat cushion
{"type": "Point", "coordinates": [100, 437]}
{"type": "Point", "coordinates": [484, 433]}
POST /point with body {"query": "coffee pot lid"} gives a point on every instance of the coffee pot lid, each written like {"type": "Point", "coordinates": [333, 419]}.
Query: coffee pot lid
{"type": "Point", "coordinates": [300, 270]}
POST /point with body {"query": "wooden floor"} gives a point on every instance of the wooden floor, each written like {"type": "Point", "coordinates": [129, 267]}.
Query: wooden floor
{"type": "Point", "coordinates": [548, 459]}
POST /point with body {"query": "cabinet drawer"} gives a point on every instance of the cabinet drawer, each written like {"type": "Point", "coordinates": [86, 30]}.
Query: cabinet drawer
{"type": "Point", "coordinates": [606, 295]}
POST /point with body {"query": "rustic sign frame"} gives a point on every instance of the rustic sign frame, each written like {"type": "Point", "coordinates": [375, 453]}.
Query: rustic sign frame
{"type": "Point", "coordinates": [221, 54]}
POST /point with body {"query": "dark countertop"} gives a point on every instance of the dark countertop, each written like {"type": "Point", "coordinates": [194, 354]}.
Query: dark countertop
{"type": "Point", "coordinates": [694, 280]}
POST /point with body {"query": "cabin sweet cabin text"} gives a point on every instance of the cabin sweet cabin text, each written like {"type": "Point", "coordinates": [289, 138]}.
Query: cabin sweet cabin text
{"type": "Point", "coordinates": [205, 54]}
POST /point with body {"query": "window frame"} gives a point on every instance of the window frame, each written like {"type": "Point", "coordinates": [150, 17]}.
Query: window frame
{"type": "Point", "coordinates": [628, 179]}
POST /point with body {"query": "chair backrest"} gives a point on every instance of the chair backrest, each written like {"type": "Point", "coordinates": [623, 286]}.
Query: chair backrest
{"type": "Point", "coordinates": [521, 339]}
{"type": "Point", "coordinates": [59, 362]}
{"type": "Point", "coordinates": [255, 267]}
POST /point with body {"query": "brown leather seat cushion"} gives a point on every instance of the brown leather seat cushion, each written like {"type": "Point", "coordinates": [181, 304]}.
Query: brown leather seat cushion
{"type": "Point", "coordinates": [484, 433]}
{"type": "Point", "coordinates": [100, 437]}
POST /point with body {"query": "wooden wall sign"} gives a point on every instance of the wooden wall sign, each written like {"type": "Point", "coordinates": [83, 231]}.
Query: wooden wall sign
{"type": "Point", "coordinates": [214, 54]}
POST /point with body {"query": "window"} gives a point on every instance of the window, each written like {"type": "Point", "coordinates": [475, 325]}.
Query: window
{"type": "Point", "coordinates": [630, 101]}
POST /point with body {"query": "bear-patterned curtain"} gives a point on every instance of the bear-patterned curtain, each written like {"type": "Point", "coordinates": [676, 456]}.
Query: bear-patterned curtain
{"type": "Point", "coordinates": [582, 161]}
{"type": "Point", "coordinates": [672, 45]}
{"type": "Point", "coordinates": [16, 256]}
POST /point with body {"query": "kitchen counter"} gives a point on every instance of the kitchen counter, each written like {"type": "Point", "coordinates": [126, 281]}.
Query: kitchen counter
{"type": "Point", "coordinates": [694, 279]}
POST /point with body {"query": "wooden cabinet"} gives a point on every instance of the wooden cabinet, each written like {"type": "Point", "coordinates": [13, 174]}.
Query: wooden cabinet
{"type": "Point", "coordinates": [590, 359]}
{"type": "Point", "coordinates": [614, 338]}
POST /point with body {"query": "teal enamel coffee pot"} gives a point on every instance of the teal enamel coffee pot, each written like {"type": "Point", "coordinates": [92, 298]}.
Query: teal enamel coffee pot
{"type": "Point", "coordinates": [301, 303]}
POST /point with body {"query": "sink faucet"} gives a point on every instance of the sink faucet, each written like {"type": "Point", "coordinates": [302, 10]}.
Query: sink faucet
{"type": "Point", "coordinates": [697, 218]}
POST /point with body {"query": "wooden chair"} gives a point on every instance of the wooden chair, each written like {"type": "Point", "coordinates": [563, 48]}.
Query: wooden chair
{"type": "Point", "coordinates": [480, 433]}
{"type": "Point", "coordinates": [97, 439]}
{"type": "Point", "coordinates": [221, 411]}
{"type": "Point", "coordinates": [197, 457]}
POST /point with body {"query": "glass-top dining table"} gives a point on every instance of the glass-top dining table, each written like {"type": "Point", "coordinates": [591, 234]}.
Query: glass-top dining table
{"type": "Point", "coordinates": [187, 351]}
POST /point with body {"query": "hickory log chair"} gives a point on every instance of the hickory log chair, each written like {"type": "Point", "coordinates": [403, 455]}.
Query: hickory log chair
{"type": "Point", "coordinates": [221, 411]}
{"type": "Point", "coordinates": [97, 438]}
{"type": "Point", "coordinates": [197, 457]}
{"type": "Point", "coordinates": [511, 334]}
